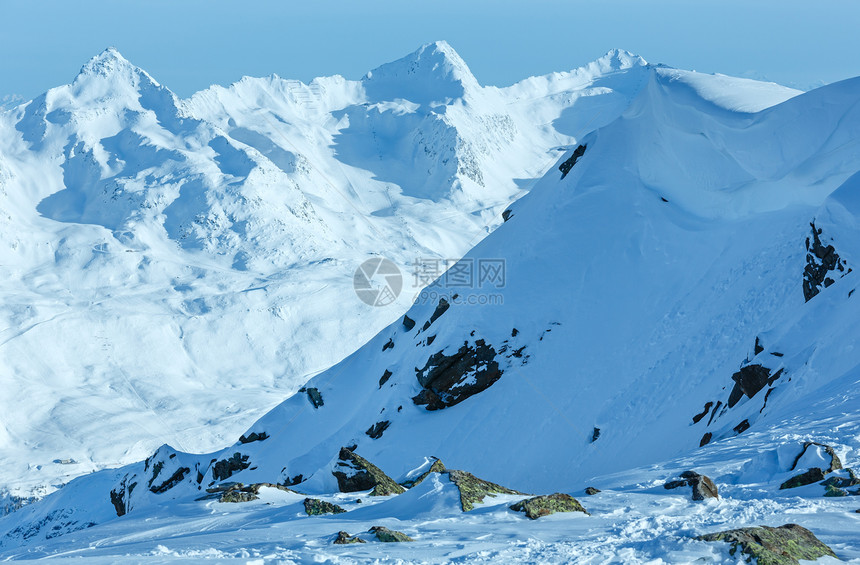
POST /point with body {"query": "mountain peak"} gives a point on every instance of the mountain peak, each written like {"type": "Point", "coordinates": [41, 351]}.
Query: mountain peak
{"type": "Point", "coordinates": [433, 73]}
{"type": "Point", "coordinates": [618, 60]}
{"type": "Point", "coordinates": [110, 64]}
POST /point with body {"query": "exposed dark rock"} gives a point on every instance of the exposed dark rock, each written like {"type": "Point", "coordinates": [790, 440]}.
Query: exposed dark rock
{"type": "Point", "coordinates": [706, 439]}
{"type": "Point", "coordinates": [813, 475]}
{"type": "Point", "coordinates": [507, 214]}
{"type": "Point", "coordinates": [835, 462]}
{"type": "Point", "coordinates": [450, 379]}
{"type": "Point", "coordinates": [431, 339]}
{"type": "Point", "coordinates": [171, 481]}
{"type": "Point", "coordinates": [776, 353]}
{"type": "Point", "coordinates": [473, 490]}
{"type": "Point", "coordinates": [702, 485]}
{"type": "Point", "coordinates": [384, 378]}
{"type": "Point", "coordinates": [784, 545]}
{"type": "Point", "coordinates": [591, 491]}
{"type": "Point", "coordinates": [441, 308]}
{"type": "Point", "coordinates": [408, 322]}
{"type": "Point", "coordinates": [750, 380]}
{"type": "Point", "coordinates": [224, 469]}
{"type": "Point", "coordinates": [742, 427]}
{"type": "Point", "coordinates": [120, 496]}
{"type": "Point", "coordinates": [820, 261]}
{"type": "Point", "coordinates": [388, 345]}
{"type": "Point", "coordinates": [766, 396]}
{"type": "Point", "coordinates": [436, 467]}
{"type": "Point", "coordinates": [294, 480]}
{"type": "Point", "coordinates": [344, 538]}
{"type": "Point", "coordinates": [253, 436]}
{"type": "Point", "coordinates": [385, 535]}
{"type": "Point", "coordinates": [314, 396]}
{"type": "Point", "coordinates": [571, 161]}
{"type": "Point", "coordinates": [714, 412]}
{"type": "Point", "coordinates": [758, 347]}
{"type": "Point", "coordinates": [595, 434]}
{"type": "Point", "coordinates": [355, 473]}
{"type": "Point", "coordinates": [515, 332]}
{"type": "Point", "coordinates": [375, 431]}
{"type": "Point", "coordinates": [238, 492]}
{"type": "Point", "coordinates": [704, 412]}
{"type": "Point", "coordinates": [317, 507]}
{"type": "Point", "coordinates": [545, 505]}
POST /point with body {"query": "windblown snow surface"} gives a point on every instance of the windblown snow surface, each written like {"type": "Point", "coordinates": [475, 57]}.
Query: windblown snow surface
{"type": "Point", "coordinates": [682, 299]}
{"type": "Point", "coordinates": [172, 269]}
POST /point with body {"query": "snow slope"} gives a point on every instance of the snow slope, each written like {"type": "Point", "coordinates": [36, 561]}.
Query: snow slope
{"type": "Point", "coordinates": [172, 269]}
{"type": "Point", "coordinates": [694, 246]}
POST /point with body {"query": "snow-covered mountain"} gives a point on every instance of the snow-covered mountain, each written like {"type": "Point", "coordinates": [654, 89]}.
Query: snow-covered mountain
{"type": "Point", "coordinates": [675, 293]}
{"type": "Point", "coordinates": [172, 269]}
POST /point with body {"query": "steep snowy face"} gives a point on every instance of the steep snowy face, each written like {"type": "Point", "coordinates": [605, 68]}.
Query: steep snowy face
{"type": "Point", "coordinates": [432, 75]}
{"type": "Point", "coordinates": [174, 268]}
{"type": "Point", "coordinates": [660, 299]}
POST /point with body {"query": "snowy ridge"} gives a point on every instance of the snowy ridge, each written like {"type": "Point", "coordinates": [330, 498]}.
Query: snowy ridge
{"type": "Point", "coordinates": [658, 316]}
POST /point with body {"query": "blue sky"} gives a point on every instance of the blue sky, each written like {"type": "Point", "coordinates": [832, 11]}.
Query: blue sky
{"type": "Point", "coordinates": [190, 44]}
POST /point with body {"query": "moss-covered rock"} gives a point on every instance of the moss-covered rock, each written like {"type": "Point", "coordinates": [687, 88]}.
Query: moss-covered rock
{"type": "Point", "coordinates": [813, 475]}
{"type": "Point", "coordinates": [784, 545]}
{"type": "Point", "coordinates": [545, 505]}
{"type": "Point", "coordinates": [833, 491]}
{"type": "Point", "coordinates": [355, 473]}
{"type": "Point", "coordinates": [317, 507]}
{"type": "Point", "coordinates": [436, 467]}
{"type": "Point", "coordinates": [385, 535]}
{"type": "Point", "coordinates": [473, 490]}
{"type": "Point", "coordinates": [238, 496]}
{"type": "Point", "coordinates": [344, 538]}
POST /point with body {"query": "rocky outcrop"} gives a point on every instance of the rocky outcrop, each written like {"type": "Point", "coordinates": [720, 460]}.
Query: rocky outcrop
{"type": "Point", "coordinates": [822, 264]}
{"type": "Point", "coordinates": [703, 487]}
{"type": "Point", "coordinates": [253, 436]}
{"type": "Point", "coordinates": [408, 323]}
{"type": "Point", "coordinates": [317, 507]}
{"type": "Point", "coordinates": [384, 378]}
{"type": "Point", "coordinates": [835, 462]}
{"type": "Point", "coordinates": [808, 477]}
{"type": "Point", "coordinates": [571, 161]}
{"type": "Point", "coordinates": [355, 473]}
{"type": "Point", "coordinates": [447, 380]}
{"type": "Point", "coordinates": [591, 491]}
{"type": "Point", "coordinates": [238, 492]}
{"type": "Point", "coordinates": [225, 468]}
{"type": "Point", "coordinates": [545, 505]}
{"type": "Point", "coordinates": [344, 538]}
{"type": "Point", "coordinates": [441, 308]}
{"type": "Point", "coordinates": [120, 495]}
{"type": "Point", "coordinates": [750, 380]}
{"type": "Point", "coordinates": [314, 396]}
{"type": "Point", "coordinates": [375, 431]}
{"type": "Point", "coordinates": [784, 545]}
{"type": "Point", "coordinates": [473, 490]}
{"type": "Point", "coordinates": [383, 534]}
